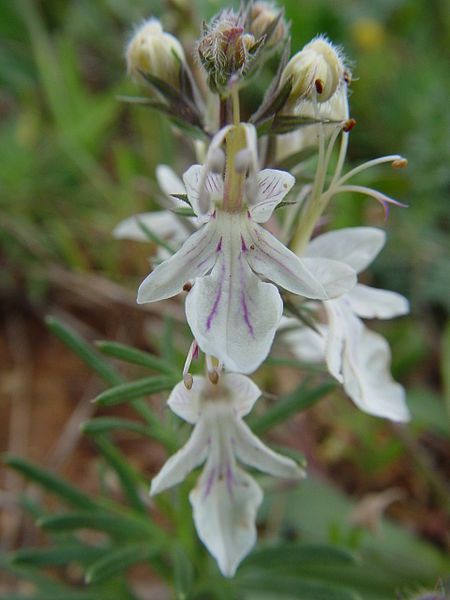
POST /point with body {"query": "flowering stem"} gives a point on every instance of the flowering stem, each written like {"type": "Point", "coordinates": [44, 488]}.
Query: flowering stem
{"type": "Point", "coordinates": [235, 103]}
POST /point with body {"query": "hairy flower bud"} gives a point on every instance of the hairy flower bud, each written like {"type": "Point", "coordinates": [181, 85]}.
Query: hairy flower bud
{"type": "Point", "coordinates": [225, 49]}
{"type": "Point", "coordinates": [263, 15]}
{"type": "Point", "coordinates": [317, 70]}
{"type": "Point", "coordinates": [153, 51]}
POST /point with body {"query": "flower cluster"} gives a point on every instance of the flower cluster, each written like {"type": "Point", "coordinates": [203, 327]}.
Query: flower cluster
{"type": "Point", "coordinates": [235, 272]}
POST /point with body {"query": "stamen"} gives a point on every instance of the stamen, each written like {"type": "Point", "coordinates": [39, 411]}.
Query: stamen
{"type": "Point", "coordinates": [192, 354]}
{"type": "Point", "coordinates": [217, 161]}
{"type": "Point", "coordinates": [243, 160]}
{"type": "Point", "coordinates": [213, 373]}
{"type": "Point", "coordinates": [348, 125]}
{"type": "Point", "coordinates": [392, 158]}
{"type": "Point", "coordinates": [187, 287]}
{"type": "Point", "coordinates": [188, 381]}
{"type": "Point", "coordinates": [378, 196]}
{"type": "Point", "coordinates": [400, 163]}
{"type": "Point", "coordinates": [319, 86]}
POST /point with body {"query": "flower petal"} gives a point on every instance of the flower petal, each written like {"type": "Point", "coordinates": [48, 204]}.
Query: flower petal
{"type": "Point", "coordinates": [305, 343]}
{"type": "Point", "coordinates": [225, 517]}
{"type": "Point", "coordinates": [272, 185]}
{"type": "Point", "coordinates": [250, 450]}
{"type": "Point", "coordinates": [194, 179]}
{"type": "Point", "coordinates": [179, 465]}
{"type": "Point", "coordinates": [334, 345]}
{"type": "Point", "coordinates": [372, 303]}
{"type": "Point", "coordinates": [187, 403]}
{"type": "Point", "coordinates": [170, 183]}
{"type": "Point", "coordinates": [354, 246]}
{"type": "Point", "coordinates": [231, 313]}
{"type": "Point", "coordinates": [318, 278]}
{"type": "Point", "coordinates": [165, 224]}
{"type": "Point", "coordinates": [195, 258]}
{"type": "Point", "coordinates": [367, 377]}
{"type": "Point", "coordinates": [243, 391]}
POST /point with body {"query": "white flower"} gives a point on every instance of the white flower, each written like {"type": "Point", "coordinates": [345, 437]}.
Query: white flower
{"type": "Point", "coordinates": [355, 356]}
{"type": "Point", "coordinates": [225, 499]}
{"type": "Point", "coordinates": [232, 313]}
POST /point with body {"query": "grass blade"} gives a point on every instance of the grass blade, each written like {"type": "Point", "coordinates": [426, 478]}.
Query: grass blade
{"type": "Point", "coordinates": [84, 351]}
{"type": "Point", "coordinates": [52, 483]}
{"type": "Point", "coordinates": [134, 356]}
{"type": "Point", "coordinates": [135, 389]}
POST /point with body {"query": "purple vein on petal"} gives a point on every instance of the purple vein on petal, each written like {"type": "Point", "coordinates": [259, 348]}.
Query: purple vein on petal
{"type": "Point", "coordinates": [230, 480]}
{"type": "Point", "coordinates": [209, 483]}
{"type": "Point", "coordinates": [245, 311]}
{"type": "Point", "coordinates": [215, 306]}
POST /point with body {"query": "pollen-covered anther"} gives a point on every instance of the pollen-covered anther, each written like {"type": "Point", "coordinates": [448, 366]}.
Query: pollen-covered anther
{"type": "Point", "coordinates": [213, 371]}
{"type": "Point", "coordinates": [188, 381]}
{"type": "Point", "coordinates": [213, 376]}
{"type": "Point", "coordinates": [400, 163]}
{"type": "Point", "coordinates": [319, 86]}
{"type": "Point", "coordinates": [348, 125]}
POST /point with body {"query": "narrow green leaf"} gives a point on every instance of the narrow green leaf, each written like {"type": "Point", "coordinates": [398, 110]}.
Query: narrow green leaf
{"type": "Point", "coordinates": [183, 211]}
{"type": "Point", "coordinates": [114, 524]}
{"type": "Point", "coordinates": [134, 356]}
{"type": "Point", "coordinates": [52, 483]}
{"type": "Point", "coordinates": [107, 424]}
{"type": "Point", "coordinates": [84, 351]}
{"type": "Point", "coordinates": [56, 556]}
{"type": "Point", "coordinates": [288, 555]}
{"type": "Point", "coordinates": [117, 560]}
{"type": "Point", "coordinates": [299, 400]}
{"type": "Point", "coordinates": [135, 389]}
{"type": "Point", "coordinates": [154, 237]}
{"type": "Point", "coordinates": [129, 479]}
{"type": "Point", "coordinates": [182, 572]}
{"type": "Point", "coordinates": [292, 586]}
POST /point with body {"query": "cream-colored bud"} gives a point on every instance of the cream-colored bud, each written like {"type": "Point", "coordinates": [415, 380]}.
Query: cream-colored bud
{"type": "Point", "coordinates": [317, 70]}
{"type": "Point", "coordinates": [153, 51]}
{"type": "Point", "coordinates": [263, 14]}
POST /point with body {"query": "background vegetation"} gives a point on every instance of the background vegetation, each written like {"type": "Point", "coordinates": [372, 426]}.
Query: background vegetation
{"type": "Point", "coordinates": [73, 162]}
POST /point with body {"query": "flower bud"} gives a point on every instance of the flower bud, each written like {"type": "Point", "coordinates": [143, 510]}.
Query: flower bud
{"type": "Point", "coordinates": [153, 51]}
{"type": "Point", "coordinates": [315, 71]}
{"type": "Point", "coordinates": [262, 15]}
{"type": "Point", "coordinates": [225, 49]}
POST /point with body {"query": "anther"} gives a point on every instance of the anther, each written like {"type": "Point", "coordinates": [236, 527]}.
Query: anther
{"type": "Point", "coordinates": [319, 86]}
{"type": "Point", "coordinates": [213, 376]}
{"type": "Point", "coordinates": [217, 161]}
{"type": "Point", "coordinates": [187, 287]}
{"type": "Point", "coordinates": [213, 372]}
{"type": "Point", "coordinates": [243, 160]}
{"type": "Point", "coordinates": [188, 381]}
{"type": "Point", "coordinates": [348, 125]}
{"type": "Point", "coordinates": [400, 163]}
